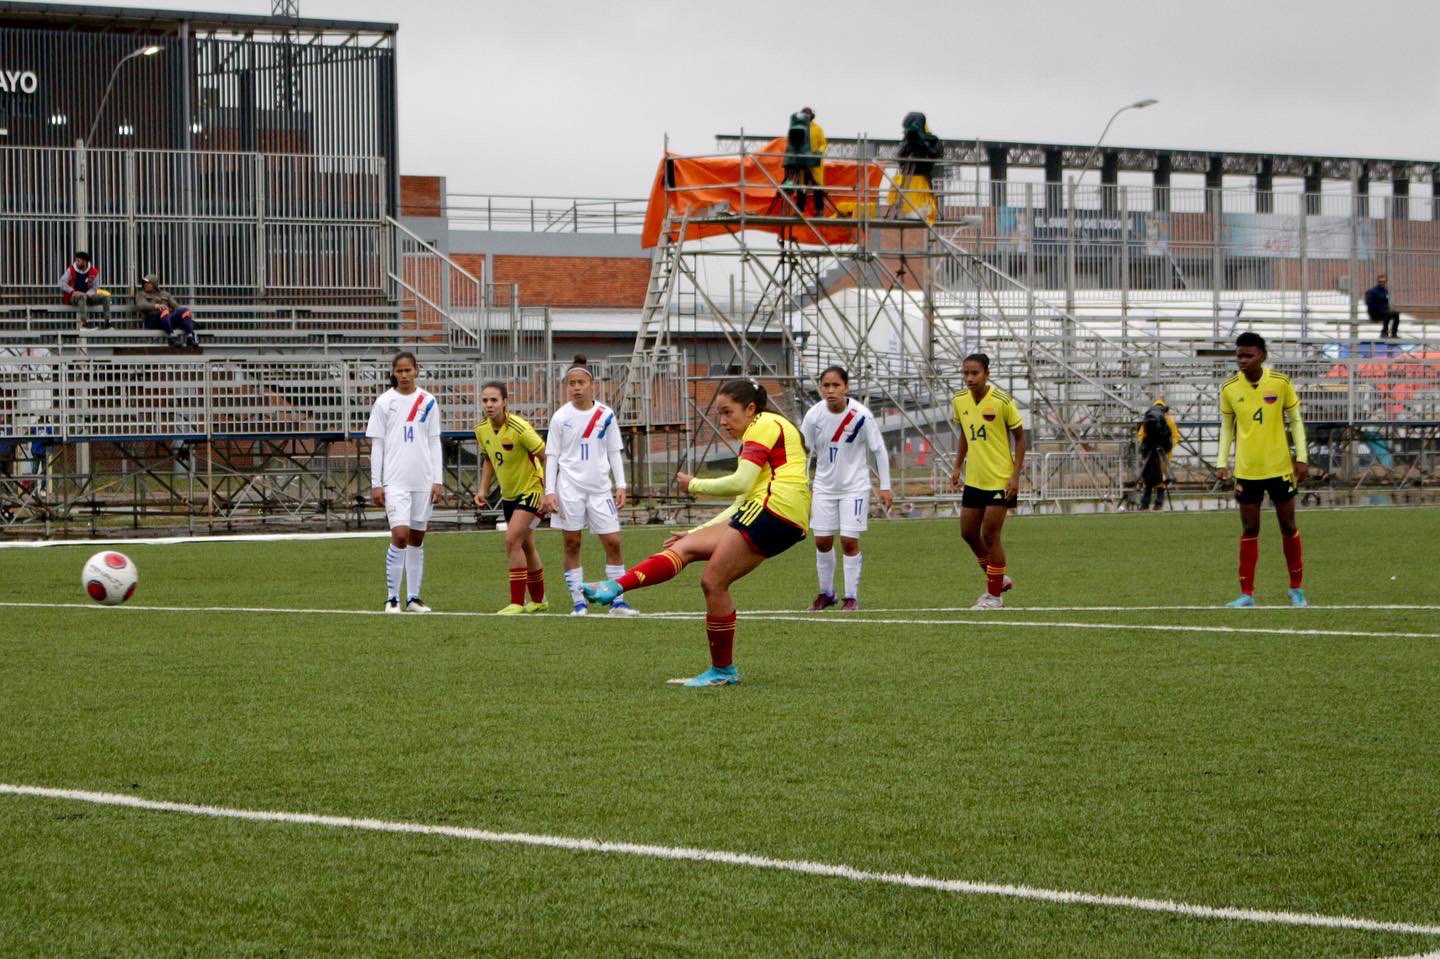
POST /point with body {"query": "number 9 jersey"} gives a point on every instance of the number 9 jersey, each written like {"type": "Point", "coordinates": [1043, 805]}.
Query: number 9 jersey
{"type": "Point", "coordinates": [986, 426]}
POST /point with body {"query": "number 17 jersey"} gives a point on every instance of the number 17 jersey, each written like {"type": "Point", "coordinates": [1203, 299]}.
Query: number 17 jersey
{"type": "Point", "coordinates": [986, 426]}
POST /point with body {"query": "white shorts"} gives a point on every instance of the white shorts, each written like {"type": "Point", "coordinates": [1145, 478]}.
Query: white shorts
{"type": "Point", "coordinates": [408, 507]}
{"type": "Point", "coordinates": [579, 509]}
{"type": "Point", "coordinates": [849, 514]}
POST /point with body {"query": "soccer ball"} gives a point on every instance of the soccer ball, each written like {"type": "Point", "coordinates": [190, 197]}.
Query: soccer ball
{"type": "Point", "coordinates": [109, 578]}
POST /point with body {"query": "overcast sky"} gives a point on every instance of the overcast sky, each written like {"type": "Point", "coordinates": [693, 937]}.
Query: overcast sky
{"type": "Point", "coordinates": [574, 97]}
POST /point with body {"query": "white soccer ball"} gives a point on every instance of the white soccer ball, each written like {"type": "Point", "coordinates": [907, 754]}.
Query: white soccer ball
{"type": "Point", "coordinates": [109, 578]}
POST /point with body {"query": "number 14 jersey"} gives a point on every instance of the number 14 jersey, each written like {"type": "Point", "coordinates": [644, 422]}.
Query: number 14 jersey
{"type": "Point", "coordinates": [986, 426]}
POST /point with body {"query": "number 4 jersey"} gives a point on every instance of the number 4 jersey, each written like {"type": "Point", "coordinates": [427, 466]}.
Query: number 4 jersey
{"type": "Point", "coordinates": [986, 426]}
{"type": "Point", "coordinates": [1258, 411]}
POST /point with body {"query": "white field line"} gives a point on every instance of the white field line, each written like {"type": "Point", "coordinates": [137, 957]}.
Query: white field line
{"type": "Point", "coordinates": [1216, 608]}
{"type": "Point", "coordinates": [1423, 955]}
{"type": "Point", "coordinates": [175, 540]}
{"type": "Point", "coordinates": [688, 854]}
{"type": "Point", "coordinates": [980, 620]}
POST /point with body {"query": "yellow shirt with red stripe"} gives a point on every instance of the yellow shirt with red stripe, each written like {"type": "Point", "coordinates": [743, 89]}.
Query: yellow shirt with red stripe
{"type": "Point", "coordinates": [1258, 411]}
{"type": "Point", "coordinates": [986, 426]}
{"type": "Point", "coordinates": [773, 443]}
{"type": "Point", "coordinates": [514, 452]}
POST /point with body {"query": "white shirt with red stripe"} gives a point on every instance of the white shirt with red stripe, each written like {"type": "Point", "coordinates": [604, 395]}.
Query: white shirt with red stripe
{"type": "Point", "coordinates": [405, 433]}
{"type": "Point", "coordinates": [583, 449]}
{"type": "Point", "coordinates": [839, 442]}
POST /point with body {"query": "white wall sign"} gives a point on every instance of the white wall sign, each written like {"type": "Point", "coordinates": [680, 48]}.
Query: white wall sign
{"type": "Point", "coordinates": [18, 81]}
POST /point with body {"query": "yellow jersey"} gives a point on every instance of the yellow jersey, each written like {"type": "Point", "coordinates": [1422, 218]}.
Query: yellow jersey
{"type": "Point", "coordinates": [986, 426]}
{"type": "Point", "coordinates": [514, 453]}
{"type": "Point", "coordinates": [1257, 412]}
{"type": "Point", "coordinates": [773, 443]}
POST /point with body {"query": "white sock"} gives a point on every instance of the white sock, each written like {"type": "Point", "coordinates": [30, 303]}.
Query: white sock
{"type": "Point", "coordinates": [614, 572]}
{"type": "Point", "coordinates": [852, 576]}
{"type": "Point", "coordinates": [414, 568]}
{"type": "Point", "coordinates": [394, 565]}
{"type": "Point", "coordinates": [573, 579]}
{"type": "Point", "coordinates": [825, 567]}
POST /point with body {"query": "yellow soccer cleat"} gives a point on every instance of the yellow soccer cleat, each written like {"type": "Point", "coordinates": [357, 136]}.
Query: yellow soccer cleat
{"type": "Point", "coordinates": [540, 607]}
{"type": "Point", "coordinates": [514, 609]}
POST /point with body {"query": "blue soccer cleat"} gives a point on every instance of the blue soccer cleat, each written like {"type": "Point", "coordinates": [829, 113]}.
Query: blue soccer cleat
{"type": "Point", "coordinates": [1243, 601]}
{"type": "Point", "coordinates": [714, 676]}
{"type": "Point", "coordinates": [1297, 598]}
{"type": "Point", "coordinates": [581, 608]}
{"type": "Point", "coordinates": [603, 593]}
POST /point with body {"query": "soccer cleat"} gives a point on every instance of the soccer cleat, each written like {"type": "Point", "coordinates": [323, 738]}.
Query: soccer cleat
{"type": "Point", "coordinates": [851, 605]}
{"type": "Point", "coordinates": [416, 605]}
{"type": "Point", "coordinates": [1297, 598]}
{"type": "Point", "coordinates": [622, 608]}
{"type": "Point", "coordinates": [603, 593]}
{"type": "Point", "coordinates": [581, 608]}
{"type": "Point", "coordinates": [986, 601]}
{"type": "Point", "coordinates": [513, 609]}
{"type": "Point", "coordinates": [540, 607]}
{"type": "Point", "coordinates": [1243, 601]}
{"type": "Point", "coordinates": [1007, 584]}
{"type": "Point", "coordinates": [392, 605]}
{"type": "Point", "coordinates": [822, 601]}
{"type": "Point", "coordinates": [714, 676]}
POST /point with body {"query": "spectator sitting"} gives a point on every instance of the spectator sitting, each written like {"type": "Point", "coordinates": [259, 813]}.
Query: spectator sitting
{"type": "Point", "coordinates": [80, 288]}
{"type": "Point", "coordinates": [161, 312]}
{"type": "Point", "coordinates": [1377, 304]}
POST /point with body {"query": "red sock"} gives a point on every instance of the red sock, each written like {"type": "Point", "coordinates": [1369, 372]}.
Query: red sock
{"type": "Point", "coordinates": [535, 579]}
{"type": "Point", "coordinates": [517, 585]}
{"type": "Point", "coordinates": [720, 630]}
{"type": "Point", "coordinates": [1249, 556]}
{"type": "Point", "coordinates": [1293, 561]}
{"type": "Point", "coordinates": [994, 579]}
{"type": "Point", "coordinates": [664, 565]}
{"type": "Point", "coordinates": [984, 564]}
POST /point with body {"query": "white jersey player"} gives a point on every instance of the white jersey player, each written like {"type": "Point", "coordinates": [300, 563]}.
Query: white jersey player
{"type": "Point", "coordinates": [843, 436]}
{"type": "Point", "coordinates": [406, 476]}
{"type": "Point", "coordinates": [585, 451]}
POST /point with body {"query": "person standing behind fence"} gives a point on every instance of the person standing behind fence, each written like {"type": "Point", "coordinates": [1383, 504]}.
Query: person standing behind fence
{"type": "Point", "coordinates": [987, 417]}
{"type": "Point", "coordinates": [914, 194]}
{"type": "Point", "coordinates": [1157, 436]}
{"type": "Point", "coordinates": [805, 161]}
{"type": "Point", "coordinates": [1377, 304]}
{"type": "Point", "coordinates": [80, 288]}
{"type": "Point", "coordinates": [159, 310]}
{"type": "Point", "coordinates": [406, 476]}
{"type": "Point", "coordinates": [1254, 407]}
{"type": "Point", "coordinates": [842, 435]}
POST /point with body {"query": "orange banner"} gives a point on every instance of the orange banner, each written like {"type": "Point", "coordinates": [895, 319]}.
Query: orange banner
{"type": "Point", "coordinates": [748, 184]}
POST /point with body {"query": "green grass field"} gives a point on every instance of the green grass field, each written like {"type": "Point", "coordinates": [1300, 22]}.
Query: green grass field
{"type": "Point", "coordinates": [1289, 769]}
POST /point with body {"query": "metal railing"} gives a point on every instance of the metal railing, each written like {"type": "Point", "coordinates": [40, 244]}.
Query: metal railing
{"type": "Point", "coordinates": [217, 225]}
{"type": "Point", "coordinates": [77, 400]}
{"type": "Point", "coordinates": [545, 214]}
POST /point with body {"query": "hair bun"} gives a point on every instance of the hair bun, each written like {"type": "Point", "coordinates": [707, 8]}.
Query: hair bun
{"type": "Point", "coordinates": [579, 360]}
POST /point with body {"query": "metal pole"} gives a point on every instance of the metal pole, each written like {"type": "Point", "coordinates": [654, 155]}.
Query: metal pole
{"type": "Point", "coordinates": [1070, 249]}
{"type": "Point", "coordinates": [82, 197]}
{"type": "Point", "coordinates": [1217, 254]}
{"type": "Point", "coordinates": [1354, 252]}
{"type": "Point", "coordinates": [1304, 259]}
{"type": "Point", "coordinates": [1124, 261]}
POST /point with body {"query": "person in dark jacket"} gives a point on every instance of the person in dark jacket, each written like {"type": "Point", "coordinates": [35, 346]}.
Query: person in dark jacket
{"type": "Point", "coordinates": [1377, 304]}
{"type": "Point", "coordinates": [804, 161]}
{"type": "Point", "coordinates": [160, 311]}
{"type": "Point", "coordinates": [914, 194]}
{"type": "Point", "coordinates": [80, 288]}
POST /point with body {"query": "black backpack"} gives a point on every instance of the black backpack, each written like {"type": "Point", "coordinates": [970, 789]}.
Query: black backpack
{"type": "Point", "coordinates": [1157, 430]}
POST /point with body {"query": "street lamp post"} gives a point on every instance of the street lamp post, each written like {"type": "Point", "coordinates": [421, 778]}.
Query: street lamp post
{"type": "Point", "coordinates": [1137, 105]}
{"type": "Point", "coordinates": [82, 199]}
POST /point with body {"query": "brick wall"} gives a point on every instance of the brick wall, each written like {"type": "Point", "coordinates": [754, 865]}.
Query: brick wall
{"type": "Point", "coordinates": [575, 281]}
{"type": "Point", "coordinates": [422, 195]}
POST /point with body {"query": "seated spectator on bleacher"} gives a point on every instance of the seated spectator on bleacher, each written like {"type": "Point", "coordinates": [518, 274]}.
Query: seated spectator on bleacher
{"type": "Point", "coordinates": [1377, 304]}
{"type": "Point", "coordinates": [160, 311]}
{"type": "Point", "coordinates": [80, 288]}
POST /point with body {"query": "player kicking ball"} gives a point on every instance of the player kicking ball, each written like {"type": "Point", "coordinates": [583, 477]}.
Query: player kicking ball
{"type": "Point", "coordinates": [406, 476]}
{"type": "Point", "coordinates": [772, 502]}
{"type": "Point", "coordinates": [987, 419]}
{"type": "Point", "coordinates": [583, 450]}
{"type": "Point", "coordinates": [1254, 407]}
{"type": "Point", "coordinates": [842, 434]}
